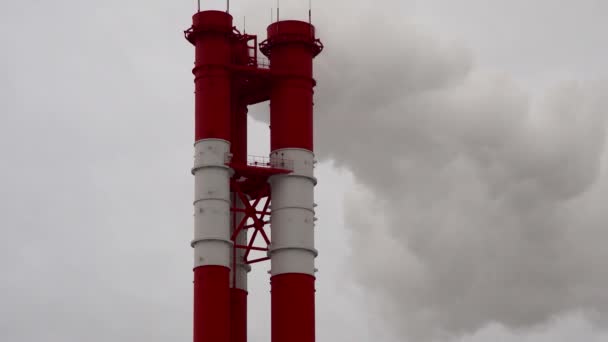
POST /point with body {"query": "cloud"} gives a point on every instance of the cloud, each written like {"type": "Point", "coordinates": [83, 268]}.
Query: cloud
{"type": "Point", "coordinates": [476, 203]}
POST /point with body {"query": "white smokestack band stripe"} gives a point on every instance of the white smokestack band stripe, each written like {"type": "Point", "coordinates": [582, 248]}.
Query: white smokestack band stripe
{"type": "Point", "coordinates": [292, 220]}
{"type": "Point", "coordinates": [212, 245]}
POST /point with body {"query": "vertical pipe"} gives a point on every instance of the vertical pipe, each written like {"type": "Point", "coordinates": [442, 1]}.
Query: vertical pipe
{"type": "Point", "coordinates": [291, 47]}
{"type": "Point", "coordinates": [238, 276]}
{"type": "Point", "coordinates": [238, 315]}
{"type": "Point", "coordinates": [238, 285]}
{"type": "Point", "coordinates": [210, 34]}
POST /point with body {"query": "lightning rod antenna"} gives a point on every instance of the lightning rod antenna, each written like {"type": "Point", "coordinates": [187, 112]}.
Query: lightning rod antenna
{"type": "Point", "coordinates": [278, 10]}
{"type": "Point", "coordinates": [227, 6]}
{"type": "Point", "coordinates": [310, 11]}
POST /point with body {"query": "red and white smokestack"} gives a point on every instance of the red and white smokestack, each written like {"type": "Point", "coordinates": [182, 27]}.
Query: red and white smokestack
{"type": "Point", "coordinates": [227, 80]}
{"type": "Point", "coordinates": [291, 47]}
{"type": "Point", "coordinates": [210, 34]}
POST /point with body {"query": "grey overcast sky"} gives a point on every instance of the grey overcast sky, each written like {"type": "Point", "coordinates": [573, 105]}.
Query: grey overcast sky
{"type": "Point", "coordinates": [462, 182]}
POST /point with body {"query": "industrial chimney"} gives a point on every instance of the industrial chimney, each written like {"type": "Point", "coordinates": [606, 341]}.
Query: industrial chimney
{"type": "Point", "coordinates": [237, 196]}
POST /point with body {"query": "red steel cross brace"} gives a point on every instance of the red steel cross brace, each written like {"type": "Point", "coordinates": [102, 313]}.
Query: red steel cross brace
{"type": "Point", "coordinates": [251, 214]}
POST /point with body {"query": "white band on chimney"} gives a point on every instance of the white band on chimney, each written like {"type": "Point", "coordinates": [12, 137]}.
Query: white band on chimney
{"type": "Point", "coordinates": [211, 243]}
{"type": "Point", "coordinates": [292, 219]}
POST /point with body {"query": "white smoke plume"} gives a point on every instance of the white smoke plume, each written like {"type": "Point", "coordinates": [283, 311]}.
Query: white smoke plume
{"type": "Point", "coordinates": [479, 204]}
{"type": "Point", "coordinates": [476, 203]}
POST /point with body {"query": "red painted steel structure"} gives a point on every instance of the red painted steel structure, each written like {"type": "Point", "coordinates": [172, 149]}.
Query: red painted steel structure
{"type": "Point", "coordinates": [228, 78]}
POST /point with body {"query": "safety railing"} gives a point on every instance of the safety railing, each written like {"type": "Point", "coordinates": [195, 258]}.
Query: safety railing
{"type": "Point", "coordinates": [266, 162]}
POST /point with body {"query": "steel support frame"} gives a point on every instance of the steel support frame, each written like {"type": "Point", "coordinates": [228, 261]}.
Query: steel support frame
{"type": "Point", "coordinates": [252, 219]}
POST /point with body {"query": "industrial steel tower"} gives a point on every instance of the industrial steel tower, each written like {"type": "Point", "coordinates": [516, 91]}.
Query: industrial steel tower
{"type": "Point", "coordinates": [237, 196]}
